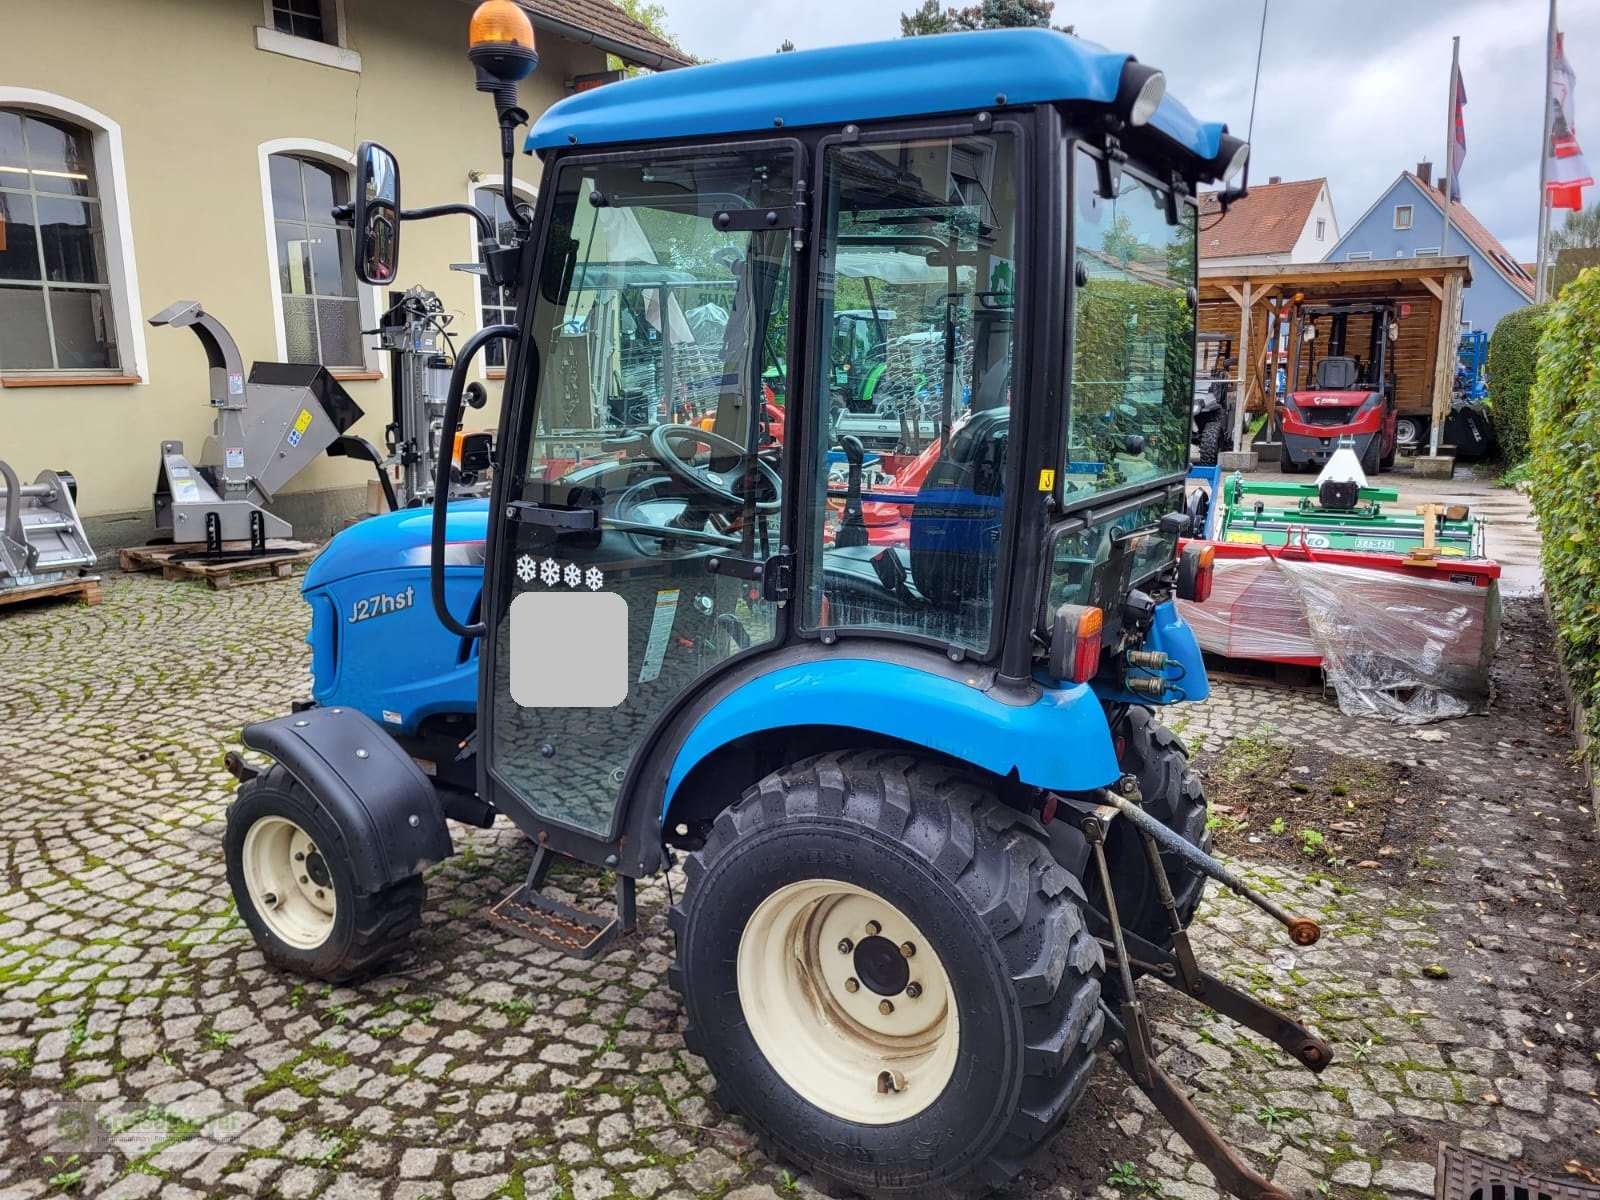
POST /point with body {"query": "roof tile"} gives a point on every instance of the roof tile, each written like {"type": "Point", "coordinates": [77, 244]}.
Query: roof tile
{"type": "Point", "coordinates": [1269, 220]}
{"type": "Point", "coordinates": [606, 18]}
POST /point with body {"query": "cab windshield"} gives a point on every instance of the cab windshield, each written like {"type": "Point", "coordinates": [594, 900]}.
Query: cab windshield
{"type": "Point", "coordinates": [1133, 336]}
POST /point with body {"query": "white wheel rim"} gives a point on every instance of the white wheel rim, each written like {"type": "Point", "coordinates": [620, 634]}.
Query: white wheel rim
{"type": "Point", "coordinates": [288, 882]}
{"type": "Point", "coordinates": [867, 1053]}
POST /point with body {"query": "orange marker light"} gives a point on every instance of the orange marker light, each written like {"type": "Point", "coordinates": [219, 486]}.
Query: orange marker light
{"type": "Point", "coordinates": [500, 21]}
{"type": "Point", "coordinates": [1075, 643]}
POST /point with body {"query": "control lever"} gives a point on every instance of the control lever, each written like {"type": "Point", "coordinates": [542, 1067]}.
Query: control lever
{"type": "Point", "coordinates": [853, 523]}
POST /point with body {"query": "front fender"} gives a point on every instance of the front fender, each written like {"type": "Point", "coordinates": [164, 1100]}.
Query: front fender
{"type": "Point", "coordinates": [1060, 741]}
{"type": "Point", "coordinates": [387, 810]}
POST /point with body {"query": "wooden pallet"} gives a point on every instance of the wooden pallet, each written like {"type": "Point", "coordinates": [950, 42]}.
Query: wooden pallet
{"type": "Point", "coordinates": [86, 588]}
{"type": "Point", "coordinates": [184, 562]}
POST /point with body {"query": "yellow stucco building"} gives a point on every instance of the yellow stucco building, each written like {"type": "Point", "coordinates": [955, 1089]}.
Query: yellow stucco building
{"type": "Point", "coordinates": [161, 150]}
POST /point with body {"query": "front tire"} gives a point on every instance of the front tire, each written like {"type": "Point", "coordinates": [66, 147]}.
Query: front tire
{"type": "Point", "coordinates": [1286, 462]}
{"type": "Point", "coordinates": [291, 877]}
{"type": "Point", "coordinates": [1172, 794]}
{"type": "Point", "coordinates": [1211, 442]}
{"type": "Point", "coordinates": [787, 904]}
{"type": "Point", "coordinates": [1371, 462]}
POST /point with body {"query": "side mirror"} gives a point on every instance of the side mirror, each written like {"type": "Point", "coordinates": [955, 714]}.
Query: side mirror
{"type": "Point", "coordinates": [377, 214]}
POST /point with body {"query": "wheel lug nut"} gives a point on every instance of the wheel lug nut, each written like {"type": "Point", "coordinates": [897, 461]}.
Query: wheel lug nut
{"type": "Point", "coordinates": [851, 985]}
{"type": "Point", "coordinates": [886, 1007]}
{"type": "Point", "coordinates": [304, 879]}
{"type": "Point", "coordinates": [846, 945]}
{"type": "Point", "coordinates": [913, 989]}
{"type": "Point", "coordinates": [907, 949]}
{"type": "Point", "coordinates": [319, 893]}
{"type": "Point", "coordinates": [874, 928]}
{"type": "Point", "coordinates": [299, 856]}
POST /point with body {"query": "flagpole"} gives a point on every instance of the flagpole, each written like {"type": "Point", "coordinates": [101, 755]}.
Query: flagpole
{"type": "Point", "coordinates": [1447, 321]}
{"type": "Point", "coordinates": [1544, 157]}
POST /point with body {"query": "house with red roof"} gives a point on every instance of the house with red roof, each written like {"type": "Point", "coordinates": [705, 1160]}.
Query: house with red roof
{"type": "Point", "coordinates": [1407, 221]}
{"type": "Point", "coordinates": [1275, 223]}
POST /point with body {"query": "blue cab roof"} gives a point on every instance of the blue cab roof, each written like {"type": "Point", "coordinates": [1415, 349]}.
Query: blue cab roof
{"type": "Point", "coordinates": [908, 77]}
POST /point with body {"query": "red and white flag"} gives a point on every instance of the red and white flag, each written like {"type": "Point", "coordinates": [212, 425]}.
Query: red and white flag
{"type": "Point", "coordinates": [1566, 174]}
{"type": "Point", "coordinates": [1458, 140]}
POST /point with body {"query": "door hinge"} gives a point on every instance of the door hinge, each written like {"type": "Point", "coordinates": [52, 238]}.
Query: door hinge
{"type": "Point", "coordinates": [776, 574]}
{"type": "Point", "coordinates": [788, 216]}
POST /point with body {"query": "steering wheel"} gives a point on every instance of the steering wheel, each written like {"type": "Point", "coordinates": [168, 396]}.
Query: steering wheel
{"type": "Point", "coordinates": [719, 485]}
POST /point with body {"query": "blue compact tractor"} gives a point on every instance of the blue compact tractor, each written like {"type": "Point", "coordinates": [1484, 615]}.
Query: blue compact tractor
{"type": "Point", "coordinates": [900, 734]}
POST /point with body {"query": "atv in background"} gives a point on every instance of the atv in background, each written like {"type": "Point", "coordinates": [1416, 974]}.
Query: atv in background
{"type": "Point", "coordinates": [1214, 365]}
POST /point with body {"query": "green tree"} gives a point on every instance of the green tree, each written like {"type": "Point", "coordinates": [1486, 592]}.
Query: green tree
{"type": "Point", "coordinates": [786, 47]}
{"type": "Point", "coordinates": [988, 14]}
{"type": "Point", "coordinates": [1513, 353]}
{"type": "Point", "coordinates": [1580, 232]}
{"type": "Point", "coordinates": [653, 17]}
{"type": "Point", "coordinates": [930, 18]}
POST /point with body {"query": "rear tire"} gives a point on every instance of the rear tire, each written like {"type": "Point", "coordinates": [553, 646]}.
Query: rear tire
{"type": "Point", "coordinates": [1408, 432]}
{"type": "Point", "coordinates": [1287, 464]}
{"type": "Point", "coordinates": [928, 849]}
{"type": "Point", "coordinates": [1371, 464]}
{"type": "Point", "coordinates": [1172, 795]}
{"type": "Point", "coordinates": [306, 913]}
{"type": "Point", "coordinates": [1210, 442]}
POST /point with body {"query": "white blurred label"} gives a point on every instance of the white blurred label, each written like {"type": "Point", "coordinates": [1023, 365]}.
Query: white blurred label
{"type": "Point", "coordinates": [569, 649]}
{"type": "Point", "coordinates": [660, 632]}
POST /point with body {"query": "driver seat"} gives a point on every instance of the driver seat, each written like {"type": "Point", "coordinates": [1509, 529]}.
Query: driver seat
{"type": "Point", "coordinates": [1337, 374]}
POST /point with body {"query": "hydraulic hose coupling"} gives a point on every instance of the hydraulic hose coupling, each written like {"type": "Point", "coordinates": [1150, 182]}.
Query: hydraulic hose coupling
{"type": "Point", "coordinates": [1146, 685]}
{"type": "Point", "coordinates": [1148, 660]}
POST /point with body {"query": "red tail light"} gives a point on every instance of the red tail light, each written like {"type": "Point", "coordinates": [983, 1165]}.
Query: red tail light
{"type": "Point", "coordinates": [1197, 567]}
{"type": "Point", "coordinates": [1075, 643]}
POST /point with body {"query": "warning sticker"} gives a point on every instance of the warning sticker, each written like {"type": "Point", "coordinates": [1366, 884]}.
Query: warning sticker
{"type": "Point", "coordinates": [660, 633]}
{"type": "Point", "coordinates": [233, 457]}
{"type": "Point", "coordinates": [235, 384]}
{"type": "Point", "coordinates": [184, 490]}
{"type": "Point", "coordinates": [301, 424]}
{"type": "Point", "coordinates": [1244, 539]}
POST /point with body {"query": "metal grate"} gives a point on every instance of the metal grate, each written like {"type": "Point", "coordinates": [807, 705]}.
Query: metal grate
{"type": "Point", "coordinates": [1464, 1176]}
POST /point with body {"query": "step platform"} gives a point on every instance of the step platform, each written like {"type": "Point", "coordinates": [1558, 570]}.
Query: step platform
{"type": "Point", "coordinates": [528, 911]}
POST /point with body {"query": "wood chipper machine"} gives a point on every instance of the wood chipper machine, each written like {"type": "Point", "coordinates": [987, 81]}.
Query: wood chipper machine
{"type": "Point", "coordinates": [42, 541]}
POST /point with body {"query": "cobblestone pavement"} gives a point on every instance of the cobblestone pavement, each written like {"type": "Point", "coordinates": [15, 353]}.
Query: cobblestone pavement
{"type": "Point", "coordinates": [135, 1012]}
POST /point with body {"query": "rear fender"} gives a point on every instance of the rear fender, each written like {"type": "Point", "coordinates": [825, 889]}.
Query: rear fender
{"type": "Point", "coordinates": [370, 788]}
{"type": "Point", "coordinates": [1059, 741]}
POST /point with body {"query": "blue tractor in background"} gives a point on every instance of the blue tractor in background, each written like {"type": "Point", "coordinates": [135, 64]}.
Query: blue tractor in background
{"type": "Point", "coordinates": [931, 829]}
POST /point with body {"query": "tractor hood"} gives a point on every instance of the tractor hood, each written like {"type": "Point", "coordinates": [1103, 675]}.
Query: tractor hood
{"type": "Point", "coordinates": [401, 539]}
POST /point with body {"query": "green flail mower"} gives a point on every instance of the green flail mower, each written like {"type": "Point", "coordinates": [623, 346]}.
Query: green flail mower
{"type": "Point", "coordinates": [1343, 515]}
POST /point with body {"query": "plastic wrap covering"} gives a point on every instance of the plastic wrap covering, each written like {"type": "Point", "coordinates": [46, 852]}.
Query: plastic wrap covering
{"type": "Point", "coordinates": [1407, 648]}
{"type": "Point", "coordinates": [1411, 650]}
{"type": "Point", "coordinates": [1253, 612]}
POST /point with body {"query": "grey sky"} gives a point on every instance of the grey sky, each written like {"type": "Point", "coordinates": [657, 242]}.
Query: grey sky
{"type": "Point", "coordinates": [1356, 90]}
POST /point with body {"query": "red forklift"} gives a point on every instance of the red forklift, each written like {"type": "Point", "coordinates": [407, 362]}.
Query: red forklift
{"type": "Point", "coordinates": [1340, 394]}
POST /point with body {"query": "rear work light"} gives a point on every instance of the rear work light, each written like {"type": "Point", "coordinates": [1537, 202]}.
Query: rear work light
{"type": "Point", "coordinates": [1075, 643]}
{"type": "Point", "coordinates": [1197, 565]}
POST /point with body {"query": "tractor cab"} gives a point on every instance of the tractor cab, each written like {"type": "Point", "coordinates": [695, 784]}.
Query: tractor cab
{"type": "Point", "coordinates": [1342, 385]}
{"type": "Point", "coordinates": [893, 711]}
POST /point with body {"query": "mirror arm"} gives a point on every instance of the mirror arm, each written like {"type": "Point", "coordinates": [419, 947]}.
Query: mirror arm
{"type": "Point", "coordinates": [344, 214]}
{"type": "Point", "coordinates": [441, 478]}
{"type": "Point", "coordinates": [510, 118]}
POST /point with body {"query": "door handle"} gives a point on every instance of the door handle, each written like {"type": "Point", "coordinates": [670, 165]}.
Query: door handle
{"type": "Point", "coordinates": [568, 520]}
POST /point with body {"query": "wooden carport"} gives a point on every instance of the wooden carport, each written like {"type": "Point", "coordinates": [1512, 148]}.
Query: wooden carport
{"type": "Point", "coordinates": [1243, 302]}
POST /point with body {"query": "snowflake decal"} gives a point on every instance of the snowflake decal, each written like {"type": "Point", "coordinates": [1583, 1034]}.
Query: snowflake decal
{"type": "Point", "coordinates": [594, 579]}
{"type": "Point", "coordinates": [574, 575]}
{"type": "Point", "coordinates": [525, 568]}
{"type": "Point", "coordinates": [550, 572]}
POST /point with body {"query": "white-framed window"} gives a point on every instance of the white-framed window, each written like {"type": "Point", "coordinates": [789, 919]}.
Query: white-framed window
{"type": "Point", "coordinates": [319, 307]}
{"type": "Point", "coordinates": [496, 305]}
{"type": "Point", "coordinates": [1322, 228]}
{"type": "Point", "coordinates": [313, 30]}
{"type": "Point", "coordinates": [68, 283]}
{"type": "Point", "coordinates": [1358, 256]}
{"type": "Point", "coordinates": [1422, 251]}
{"type": "Point", "coordinates": [1402, 216]}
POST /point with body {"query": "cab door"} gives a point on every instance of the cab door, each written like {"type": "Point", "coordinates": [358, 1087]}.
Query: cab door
{"type": "Point", "coordinates": [642, 482]}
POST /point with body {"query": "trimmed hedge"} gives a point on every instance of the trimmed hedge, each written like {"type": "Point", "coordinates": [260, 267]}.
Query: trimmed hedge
{"type": "Point", "coordinates": [1513, 350]}
{"type": "Point", "coordinates": [1565, 476]}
